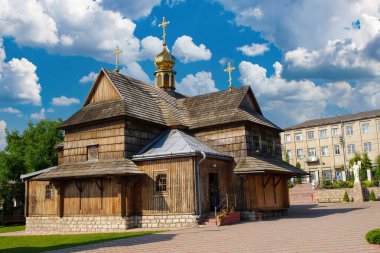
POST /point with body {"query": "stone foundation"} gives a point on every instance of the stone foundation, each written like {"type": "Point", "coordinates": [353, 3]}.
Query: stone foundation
{"type": "Point", "coordinates": [336, 195]}
{"type": "Point", "coordinates": [167, 221]}
{"type": "Point", "coordinates": [79, 224]}
{"type": "Point", "coordinates": [249, 216]}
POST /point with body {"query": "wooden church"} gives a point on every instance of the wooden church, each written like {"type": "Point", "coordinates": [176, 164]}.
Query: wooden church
{"type": "Point", "coordinates": [138, 155]}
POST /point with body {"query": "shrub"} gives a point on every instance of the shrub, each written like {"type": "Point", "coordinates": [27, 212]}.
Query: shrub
{"type": "Point", "coordinates": [326, 184]}
{"type": "Point", "coordinates": [299, 180]}
{"type": "Point", "coordinates": [343, 184]}
{"type": "Point", "coordinates": [345, 197]}
{"type": "Point", "coordinates": [373, 236]}
{"type": "Point", "coordinates": [372, 196]}
{"type": "Point", "coordinates": [290, 185]}
{"type": "Point", "coordinates": [368, 184]}
{"type": "Point", "coordinates": [376, 183]}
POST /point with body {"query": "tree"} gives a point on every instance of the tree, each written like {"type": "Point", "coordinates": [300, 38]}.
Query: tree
{"type": "Point", "coordinates": [287, 160]}
{"type": "Point", "coordinates": [298, 165]}
{"type": "Point", "coordinates": [365, 164]}
{"type": "Point", "coordinates": [25, 153]}
{"type": "Point", "coordinates": [377, 170]}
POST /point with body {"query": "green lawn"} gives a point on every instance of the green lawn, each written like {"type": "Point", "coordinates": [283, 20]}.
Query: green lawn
{"type": "Point", "coordinates": [41, 243]}
{"type": "Point", "coordinates": [11, 228]}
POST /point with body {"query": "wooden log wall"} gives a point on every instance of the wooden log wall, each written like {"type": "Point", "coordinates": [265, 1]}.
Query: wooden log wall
{"type": "Point", "coordinates": [85, 197]}
{"type": "Point", "coordinates": [179, 197]}
{"type": "Point", "coordinates": [38, 204]}
{"type": "Point", "coordinates": [230, 139]}
{"type": "Point", "coordinates": [224, 170]}
{"type": "Point", "coordinates": [265, 191]}
{"type": "Point", "coordinates": [109, 136]}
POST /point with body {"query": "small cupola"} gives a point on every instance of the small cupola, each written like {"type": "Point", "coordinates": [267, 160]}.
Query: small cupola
{"type": "Point", "coordinates": [165, 62]}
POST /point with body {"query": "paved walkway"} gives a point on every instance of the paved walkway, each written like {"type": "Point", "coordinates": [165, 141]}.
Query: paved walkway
{"type": "Point", "coordinates": [308, 228]}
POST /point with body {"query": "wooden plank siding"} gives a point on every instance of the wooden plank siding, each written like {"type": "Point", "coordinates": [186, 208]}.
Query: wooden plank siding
{"type": "Point", "coordinates": [104, 91]}
{"type": "Point", "coordinates": [38, 204]}
{"type": "Point", "coordinates": [109, 136]}
{"type": "Point", "coordinates": [179, 197]}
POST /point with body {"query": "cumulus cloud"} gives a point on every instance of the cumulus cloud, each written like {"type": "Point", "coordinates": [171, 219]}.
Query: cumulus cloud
{"type": "Point", "coordinates": [3, 135]}
{"type": "Point", "coordinates": [38, 115]}
{"type": "Point", "coordinates": [64, 101]}
{"type": "Point", "coordinates": [254, 49]}
{"type": "Point", "coordinates": [134, 70]}
{"type": "Point", "coordinates": [306, 99]}
{"type": "Point", "coordinates": [185, 49]}
{"type": "Point", "coordinates": [150, 47]}
{"type": "Point", "coordinates": [18, 81]}
{"type": "Point", "coordinates": [197, 84]}
{"type": "Point", "coordinates": [132, 9]}
{"type": "Point", "coordinates": [90, 77]}
{"type": "Point", "coordinates": [11, 110]}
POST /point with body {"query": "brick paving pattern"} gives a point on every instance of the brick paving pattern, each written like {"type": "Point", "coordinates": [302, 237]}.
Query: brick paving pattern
{"type": "Point", "coordinates": [308, 228]}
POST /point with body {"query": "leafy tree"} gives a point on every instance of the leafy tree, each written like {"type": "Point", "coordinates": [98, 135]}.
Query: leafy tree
{"type": "Point", "coordinates": [25, 153]}
{"type": "Point", "coordinates": [298, 165]}
{"type": "Point", "coordinates": [287, 160]}
{"type": "Point", "coordinates": [377, 170]}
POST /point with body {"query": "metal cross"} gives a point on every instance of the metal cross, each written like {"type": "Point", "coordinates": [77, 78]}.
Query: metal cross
{"type": "Point", "coordinates": [163, 25]}
{"type": "Point", "coordinates": [116, 54]}
{"type": "Point", "coordinates": [229, 70]}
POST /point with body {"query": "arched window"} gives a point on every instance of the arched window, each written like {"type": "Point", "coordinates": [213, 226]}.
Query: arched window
{"type": "Point", "coordinates": [161, 183]}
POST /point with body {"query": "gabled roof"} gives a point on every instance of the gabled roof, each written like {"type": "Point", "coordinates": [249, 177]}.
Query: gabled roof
{"type": "Point", "coordinates": [176, 143]}
{"type": "Point", "coordinates": [91, 169]}
{"type": "Point", "coordinates": [149, 103]}
{"type": "Point", "coordinates": [36, 173]}
{"type": "Point", "coordinates": [337, 119]}
{"type": "Point", "coordinates": [263, 164]}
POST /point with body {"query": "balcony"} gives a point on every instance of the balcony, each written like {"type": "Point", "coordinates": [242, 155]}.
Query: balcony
{"type": "Point", "coordinates": [312, 159]}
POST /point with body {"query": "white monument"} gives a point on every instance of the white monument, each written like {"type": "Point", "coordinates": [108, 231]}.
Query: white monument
{"type": "Point", "coordinates": [369, 175]}
{"type": "Point", "coordinates": [344, 177]}
{"type": "Point", "coordinates": [355, 169]}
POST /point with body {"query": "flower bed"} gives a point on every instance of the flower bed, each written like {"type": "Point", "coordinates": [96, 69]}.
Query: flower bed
{"type": "Point", "coordinates": [228, 218]}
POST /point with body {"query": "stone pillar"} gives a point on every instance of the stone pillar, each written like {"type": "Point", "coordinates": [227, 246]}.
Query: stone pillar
{"type": "Point", "coordinates": [358, 192]}
{"type": "Point", "coordinates": [317, 176]}
{"type": "Point", "coordinates": [344, 176]}
{"type": "Point", "coordinates": [369, 175]}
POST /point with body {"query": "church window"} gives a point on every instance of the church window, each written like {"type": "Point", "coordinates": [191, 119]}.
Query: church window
{"type": "Point", "coordinates": [48, 191]}
{"type": "Point", "coordinates": [270, 144]}
{"type": "Point", "coordinates": [263, 142]}
{"type": "Point", "coordinates": [92, 152]}
{"type": "Point", "coordinates": [166, 80]}
{"type": "Point", "coordinates": [255, 141]}
{"type": "Point", "coordinates": [161, 183]}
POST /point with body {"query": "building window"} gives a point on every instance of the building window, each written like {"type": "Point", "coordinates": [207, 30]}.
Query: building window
{"type": "Point", "coordinates": [48, 191]}
{"type": "Point", "coordinates": [367, 147]}
{"type": "Point", "coordinates": [287, 138]}
{"type": "Point", "coordinates": [299, 153]}
{"type": "Point", "coordinates": [263, 142]}
{"type": "Point", "coordinates": [323, 133]}
{"type": "Point", "coordinates": [312, 152]}
{"type": "Point", "coordinates": [326, 174]}
{"type": "Point", "coordinates": [298, 137]}
{"type": "Point", "coordinates": [349, 130]}
{"type": "Point", "coordinates": [289, 153]}
{"type": "Point", "coordinates": [335, 132]}
{"type": "Point", "coordinates": [325, 151]}
{"type": "Point", "coordinates": [365, 128]}
{"type": "Point", "coordinates": [255, 141]}
{"type": "Point", "coordinates": [310, 135]}
{"type": "Point", "coordinates": [337, 149]}
{"type": "Point", "coordinates": [277, 146]}
{"type": "Point", "coordinates": [351, 148]}
{"type": "Point", "coordinates": [92, 152]}
{"type": "Point", "coordinates": [270, 144]}
{"type": "Point", "coordinates": [161, 183]}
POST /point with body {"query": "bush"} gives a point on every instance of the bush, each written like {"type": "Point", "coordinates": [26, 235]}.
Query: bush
{"type": "Point", "coordinates": [299, 180]}
{"type": "Point", "coordinates": [368, 184]}
{"type": "Point", "coordinates": [373, 236]}
{"type": "Point", "coordinates": [376, 183]}
{"type": "Point", "coordinates": [372, 196]}
{"type": "Point", "coordinates": [327, 184]}
{"type": "Point", "coordinates": [345, 197]}
{"type": "Point", "coordinates": [290, 185]}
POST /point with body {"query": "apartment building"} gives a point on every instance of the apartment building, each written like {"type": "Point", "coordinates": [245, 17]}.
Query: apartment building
{"type": "Point", "coordinates": [323, 146]}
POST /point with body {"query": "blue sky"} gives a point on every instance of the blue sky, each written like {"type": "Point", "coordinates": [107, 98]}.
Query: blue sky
{"type": "Point", "coordinates": [303, 59]}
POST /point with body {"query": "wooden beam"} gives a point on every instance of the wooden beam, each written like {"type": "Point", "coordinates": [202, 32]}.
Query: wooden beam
{"type": "Point", "coordinates": [274, 189]}
{"type": "Point", "coordinates": [122, 197]}
{"type": "Point", "coordinates": [78, 184]}
{"type": "Point", "coordinates": [100, 186]}
{"type": "Point", "coordinates": [278, 181]}
{"type": "Point", "coordinates": [26, 198]}
{"type": "Point", "coordinates": [269, 178]}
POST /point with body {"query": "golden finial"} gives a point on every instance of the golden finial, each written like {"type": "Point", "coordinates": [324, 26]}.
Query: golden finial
{"type": "Point", "coordinates": [116, 54]}
{"type": "Point", "coordinates": [163, 25]}
{"type": "Point", "coordinates": [229, 70]}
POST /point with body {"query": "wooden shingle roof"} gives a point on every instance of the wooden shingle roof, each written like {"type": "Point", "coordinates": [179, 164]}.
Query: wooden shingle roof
{"type": "Point", "coordinates": [149, 103]}
{"type": "Point", "coordinates": [264, 164]}
{"type": "Point", "coordinates": [91, 169]}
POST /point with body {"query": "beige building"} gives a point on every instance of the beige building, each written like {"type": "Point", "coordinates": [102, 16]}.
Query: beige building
{"type": "Point", "coordinates": [323, 146]}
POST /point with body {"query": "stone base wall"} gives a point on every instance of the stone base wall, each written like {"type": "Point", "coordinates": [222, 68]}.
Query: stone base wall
{"type": "Point", "coordinates": [336, 195]}
{"type": "Point", "coordinates": [167, 221]}
{"type": "Point", "coordinates": [79, 224]}
{"type": "Point", "coordinates": [249, 216]}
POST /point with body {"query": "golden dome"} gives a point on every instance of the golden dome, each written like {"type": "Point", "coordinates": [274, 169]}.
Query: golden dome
{"type": "Point", "coordinates": [164, 60]}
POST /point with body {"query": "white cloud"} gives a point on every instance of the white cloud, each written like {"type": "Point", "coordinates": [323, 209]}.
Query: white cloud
{"type": "Point", "coordinates": [132, 9]}
{"type": "Point", "coordinates": [50, 110]}
{"type": "Point", "coordinates": [38, 115]}
{"type": "Point", "coordinates": [185, 49]}
{"type": "Point", "coordinates": [306, 99]}
{"type": "Point", "coordinates": [90, 77]}
{"type": "Point", "coordinates": [18, 81]}
{"type": "Point", "coordinates": [3, 135]}
{"type": "Point", "coordinates": [197, 84]}
{"type": "Point", "coordinates": [11, 110]}
{"type": "Point", "coordinates": [172, 3]}
{"type": "Point", "coordinates": [150, 47]}
{"type": "Point", "coordinates": [134, 70]}
{"type": "Point", "coordinates": [64, 101]}
{"type": "Point", "coordinates": [254, 49]}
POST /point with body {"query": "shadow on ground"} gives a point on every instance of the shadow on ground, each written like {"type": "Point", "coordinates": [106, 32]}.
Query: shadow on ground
{"type": "Point", "coordinates": [315, 211]}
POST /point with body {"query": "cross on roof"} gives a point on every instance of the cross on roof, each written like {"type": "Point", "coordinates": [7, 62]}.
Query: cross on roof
{"type": "Point", "coordinates": [116, 54]}
{"type": "Point", "coordinates": [163, 25]}
{"type": "Point", "coordinates": [229, 69]}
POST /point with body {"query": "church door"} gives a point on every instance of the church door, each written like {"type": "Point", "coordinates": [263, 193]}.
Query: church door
{"type": "Point", "coordinates": [213, 190]}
